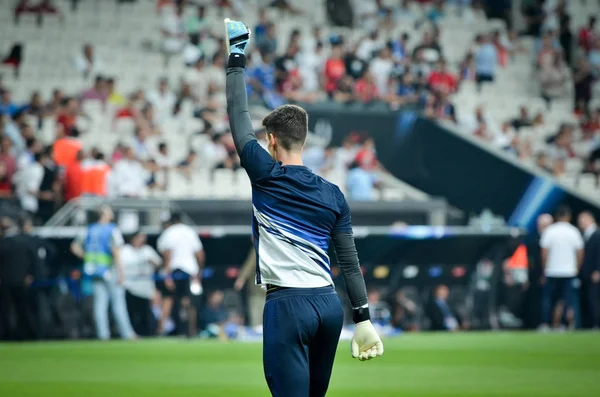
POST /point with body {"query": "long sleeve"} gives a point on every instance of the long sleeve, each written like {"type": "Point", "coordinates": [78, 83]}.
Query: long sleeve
{"type": "Point", "coordinates": [237, 103]}
{"type": "Point", "coordinates": [347, 256]}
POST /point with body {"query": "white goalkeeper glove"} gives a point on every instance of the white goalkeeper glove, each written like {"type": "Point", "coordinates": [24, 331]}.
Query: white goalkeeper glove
{"type": "Point", "coordinates": [366, 343]}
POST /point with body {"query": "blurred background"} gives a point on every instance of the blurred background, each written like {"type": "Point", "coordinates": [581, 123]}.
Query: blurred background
{"type": "Point", "coordinates": [455, 128]}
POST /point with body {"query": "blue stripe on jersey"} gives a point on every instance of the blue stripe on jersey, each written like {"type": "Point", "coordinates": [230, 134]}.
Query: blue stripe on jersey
{"type": "Point", "coordinates": [320, 260]}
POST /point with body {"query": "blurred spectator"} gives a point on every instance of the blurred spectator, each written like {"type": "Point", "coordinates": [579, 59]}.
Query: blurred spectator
{"type": "Point", "coordinates": [87, 63]}
{"type": "Point", "coordinates": [429, 48]}
{"type": "Point", "coordinates": [405, 90]}
{"type": "Point", "coordinates": [379, 310]}
{"type": "Point", "coordinates": [7, 159]}
{"type": "Point", "coordinates": [590, 269]}
{"type": "Point", "coordinates": [187, 165]}
{"type": "Point", "coordinates": [262, 26]}
{"type": "Point", "coordinates": [486, 59]}
{"type": "Point", "coordinates": [354, 66]}
{"type": "Point", "coordinates": [35, 107]}
{"type": "Point", "coordinates": [399, 48]}
{"type": "Point", "coordinates": [139, 261]}
{"type": "Point", "coordinates": [95, 175]}
{"type": "Point", "coordinates": [467, 68]}
{"type": "Point", "coordinates": [366, 89]}
{"type": "Point", "coordinates": [33, 147]}
{"type": "Point", "coordinates": [267, 44]}
{"type": "Point", "coordinates": [285, 64]}
{"type": "Point", "coordinates": [19, 259]}
{"type": "Point", "coordinates": [534, 14]}
{"type": "Point", "coordinates": [310, 63]}
{"type": "Point", "coordinates": [368, 46]}
{"type": "Point", "coordinates": [129, 176]}
{"type": "Point", "coordinates": [114, 97]}
{"type": "Point", "coordinates": [562, 252]}
{"type": "Point", "coordinates": [404, 312]}
{"type": "Point", "coordinates": [334, 69]}
{"type": "Point", "coordinates": [67, 116]}
{"type": "Point", "coordinates": [381, 68]}
{"type": "Point", "coordinates": [49, 192]}
{"type": "Point", "coordinates": [367, 11]}
{"type": "Point", "coordinates": [214, 71]}
{"type": "Point", "coordinates": [28, 182]}
{"type": "Point", "coordinates": [139, 144]}
{"type": "Point", "coordinates": [583, 80]}
{"type": "Point", "coordinates": [361, 183]}
{"type": "Point", "coordinates": [73, 177]}
{"type": "Point", "coordinates": [566, 40]}
{"type": "Point", "coordinates": [99, 92]}
{"type": "Point", "coordinates": [441, 315]}
{"type": "Point", "coordinates": [214, 314]}
{"type": "Point", "coordinates": [523, 120]}
{"type": "Point", "coordinates": [53, 106]}
{"type": "Point", "coordinates": [548, 45]}
{"type": "Point", "coordinates": [553, 78]}
{"type": "Point", "coordinates": [594, 58]}
{"type": "Point", "coordinates": [543, 162]}
{"type": "Point", "coordinates": [66, 148]}
{"type": "Point", "coordinates": [197, 23]}
{"type": "Point", "coordinates": [163, 100]}
{"type": "Point", "coordinates": [7, 106]}
{"type": "Point", "coordinates": [173, 32]}
{"type": "Point", "coordinates": [587, 34]}
{"type": "Point", "coordinates": [441, 80]}
{"type": "Point", "coordinates": [198, 80]}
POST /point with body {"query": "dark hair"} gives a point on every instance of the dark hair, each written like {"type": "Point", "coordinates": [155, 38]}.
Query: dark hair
{"type": "Point", "coordinates": [162, 146]}
{"type": "Point", "coordinates": [289, 124]}
{"type": "Point", "coordinates": [175, 218]}
{"type": "Point", "coordinates": [563, 212]}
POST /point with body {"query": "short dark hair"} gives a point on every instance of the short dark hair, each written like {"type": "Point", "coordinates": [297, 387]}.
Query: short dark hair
{"type": "Point", "coordinates": [563, 212]}
{"type": "Point", "coordinates": [289, 124]}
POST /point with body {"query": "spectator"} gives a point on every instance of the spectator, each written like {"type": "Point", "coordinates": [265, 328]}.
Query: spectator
{"type": "Point", "coordinates": [334, 70]}
{"type": "Point", "coordinates": [361, 183]}
{"type": "Point", "coordinates": [163, 100]}
{"type": "Point", "coordinates": [65, 149]}
{"type": "Point", "coordinates": [216, 76]}
{"type": "Point", "coordinates": [354, 66]}
{"type": "Point", "coordinates": [55, 104]}
{"type": "Point", "coordinates": [587, 34]}
{"type": "Point", "coordinates": [114, 97]}
{"type": "Point", "coordinates": [429, 49]}
{"type": "Point", "coordinates": [381, 68]}
{"type": "Point", "coordinates": [310, 64]}
{"type": "Point", "coordinates": [545, 53]}
{"type": "Point", "coordinates": [553, 78]}
{"type": "Point", "coordinates": [441, 315]}
{"type": "Point", "coordinates": [197, 23]}
{"type": "Point", "coordinates": [467, 68]}
{"type": "Point", "coordinates": [367, 11]}
{"type": "Point", "coordinates": [87, 63]}
{"type": "Point", "coordinates": [262, 26]}
{"type": "Point", "coordinates": [534, 14]}
{"type": "Point", "coordinates": [267, 44]}
{"type": "Point", "coordinates": [67, 116]}
{"type": "Point", "coordinates": [562, 252]}
{"type": "Point", "coordinates": [139, 144]}
{"type": "Point", "coordinates": [441, 80]}
{"type": "Point", "coordinates": [7, 159]}
{"type": "Point", "coordinates": [129, 176]}
{"type": "Point", "coordinates": [99, 92]}
{"type": "Point", "coordinates": [566, 40]}
{"type": "Point", "coordinates": [379, 310]}
{"type": "Point", "coordinates": [344, 92]}
{"type": "Point", "coordinates": [293, 89]}
{"type": "Point", "coordinates": [198, 80]}
{"type": "Point", "coordinates": [73, 178]}
{"type": "Point", "coordinates": [523, 120]}
{"type": "Point", "coordinates": [405, 91]}
{"type": "Point", "coordinates": [486, 59]}
{"type": "Point", "coordinates": [583, 80]}
{"type": "Point", "coordinates": [35, 107]}
{"type": "Point", "coordinates": [139, 261]}
{"type": "Point", "coordinates": [590, 268]}
{"type": "Point", "coordinates": [28, 183]}
{"type": "Point", "coordinates": [28, 156]}
{"type": "Point", "coordinates": [594, 58]}
{"type": "Point", "coordinates": [6, 189]}
{"type": "Point", "coordinates": [284, 65]}
{"type": "Point", "coordinates": [19, 258]}
{"type": "Point", "coordinates": [366, 89]}
{"type": "Point", "coordinates": [368, 46]}
{"type": "Point", "coordinates": [7, 106]}
{"type": "Point", "coordinates": [49, 192]}
{"type": "Point", "coordinates": [173, 32]}
{"type": "Point", "coordinates": [404, 312]}
{"type": "Point", "coordinates": [188, 164]}
{"type": "Point", "coordinates": [215, 315]}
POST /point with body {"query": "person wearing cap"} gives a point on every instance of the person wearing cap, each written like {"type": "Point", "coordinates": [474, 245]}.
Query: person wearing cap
{"type": "Point", "coordinates": [99, 247]}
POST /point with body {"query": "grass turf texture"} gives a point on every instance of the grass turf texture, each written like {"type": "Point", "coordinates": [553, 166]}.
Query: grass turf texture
{"type": "Point", "coordinates": [423, 365]}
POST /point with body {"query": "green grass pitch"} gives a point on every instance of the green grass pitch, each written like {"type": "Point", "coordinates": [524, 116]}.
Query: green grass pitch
{"type": "Point", "coordinates": [420, 365]}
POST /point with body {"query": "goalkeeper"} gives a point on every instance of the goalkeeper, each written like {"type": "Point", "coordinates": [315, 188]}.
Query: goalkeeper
{"type": "Point", "coordinates": [295, 215]}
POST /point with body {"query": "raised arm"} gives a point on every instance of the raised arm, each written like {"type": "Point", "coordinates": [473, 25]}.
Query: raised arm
{"type": "Point", "coordinates": [237, 36]}
{"type": "Point", "coordinates": [237, 102]}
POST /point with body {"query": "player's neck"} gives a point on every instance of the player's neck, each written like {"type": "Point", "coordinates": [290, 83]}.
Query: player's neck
{"type": "Point", "coordinates": [290, 158]}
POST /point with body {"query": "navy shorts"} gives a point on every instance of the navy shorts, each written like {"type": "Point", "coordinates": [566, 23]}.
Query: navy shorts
{"type": "Point", "coordinates": [302, 328]}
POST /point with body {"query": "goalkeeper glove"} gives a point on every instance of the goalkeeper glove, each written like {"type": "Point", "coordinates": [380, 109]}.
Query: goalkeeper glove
{"type": "Point", "coordinates": [366, 343]}
{"type": "Point", "coordinates": [237, 36]}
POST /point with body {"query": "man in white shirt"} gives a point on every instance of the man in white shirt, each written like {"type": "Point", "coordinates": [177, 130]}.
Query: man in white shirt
{"type": "Point", "coordinates": [128, 177]}
{"type": "Point", "coordinates": [87, 63]}
{"type": "Point", "coordinates": [184, 257]}
{"type": "Point", "coordinates": [28, 182]}
{"type": "Point", "coordinates": [562, 254]}
{"type": "Point", "coordinates": [163, 100]}
{"type": "Point", "coordinates": [382, 67]}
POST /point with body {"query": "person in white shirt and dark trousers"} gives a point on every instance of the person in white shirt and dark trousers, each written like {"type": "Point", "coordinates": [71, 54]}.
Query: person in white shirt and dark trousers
{"type": "Point", "coordinates": [139, 261]}
{"type": "Point", "coordinates": [183, 256]}
{"type": "Point", "coordinates": [590, 269]}
{"type": "Point", "coordinates": [562, 253]}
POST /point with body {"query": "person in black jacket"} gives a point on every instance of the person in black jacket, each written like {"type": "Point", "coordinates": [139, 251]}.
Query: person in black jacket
{"type": "Point", "coordinates": [18, 261]}
{"type": "Point", "coordinates": [590, 269]}
{"type": "Point", "coordinates": [441, 315]}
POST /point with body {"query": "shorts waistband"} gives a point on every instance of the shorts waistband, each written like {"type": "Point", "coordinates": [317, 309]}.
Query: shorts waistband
{"type": "Point", "coordinates": [274, 292]}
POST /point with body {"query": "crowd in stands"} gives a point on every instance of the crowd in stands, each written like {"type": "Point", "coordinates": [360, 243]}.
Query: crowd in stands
{"type": "Point", "coordinates": [387, 64]}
